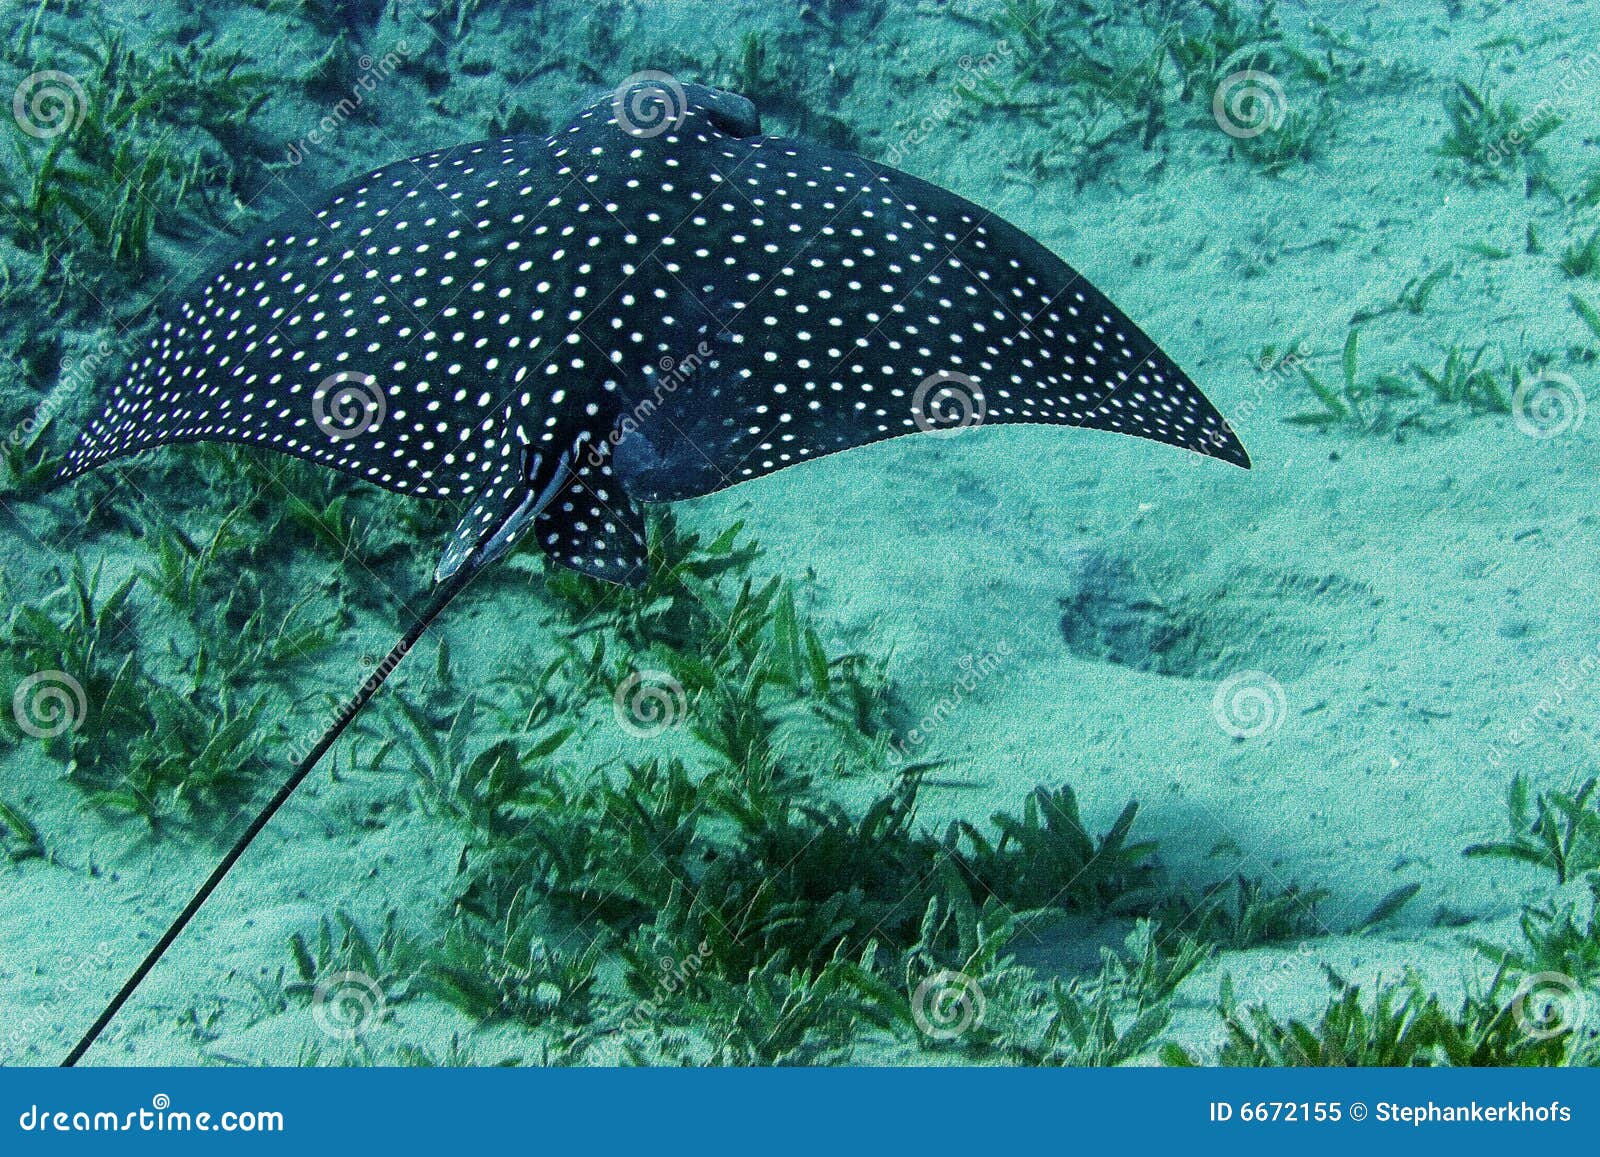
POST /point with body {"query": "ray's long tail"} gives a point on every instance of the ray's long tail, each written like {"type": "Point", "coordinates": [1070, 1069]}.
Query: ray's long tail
{"type": "Point", "coordinates": [442, 596]}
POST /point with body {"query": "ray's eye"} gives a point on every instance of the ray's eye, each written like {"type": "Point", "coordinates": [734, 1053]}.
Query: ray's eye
{"type": "Point", "coordinates": [732, 114]}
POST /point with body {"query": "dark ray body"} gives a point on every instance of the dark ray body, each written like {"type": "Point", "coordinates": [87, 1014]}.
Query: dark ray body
{"type": "Point", "coordinates": [650, 305]}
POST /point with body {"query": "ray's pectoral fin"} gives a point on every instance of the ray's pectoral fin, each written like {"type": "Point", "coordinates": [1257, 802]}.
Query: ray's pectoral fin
{"type": "Point", "coordinates": [590, 523]}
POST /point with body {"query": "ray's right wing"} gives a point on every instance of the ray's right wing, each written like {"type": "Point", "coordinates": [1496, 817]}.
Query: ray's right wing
{"type": "Point", "coordinates": [887, 306]}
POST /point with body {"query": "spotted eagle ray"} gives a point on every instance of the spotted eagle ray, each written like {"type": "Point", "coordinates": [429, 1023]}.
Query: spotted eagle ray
{"type": "Point", "coordinates": [651, 304]}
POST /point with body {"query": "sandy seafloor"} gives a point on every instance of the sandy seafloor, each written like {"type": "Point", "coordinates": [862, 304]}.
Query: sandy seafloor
{"type": "Point", "coordinates": [1414, 597]}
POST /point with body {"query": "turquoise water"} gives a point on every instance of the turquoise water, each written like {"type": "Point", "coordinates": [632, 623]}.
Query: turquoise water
{"type": "Point", "coordinates": [1006, 743]}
